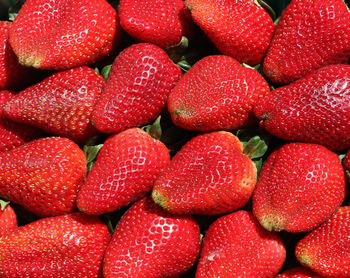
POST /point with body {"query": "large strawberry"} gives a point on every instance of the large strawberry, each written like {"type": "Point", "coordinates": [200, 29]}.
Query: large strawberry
{"type": "Point", "coordinates": [43, 175]}
{"type": "Point", "coordinates": [137, 88]}
{"type": "Point", "coordinates": [70, 245]}
{"type": "Point", "coordinates": [64, 34]}
{"type": "Point", "coordinates": [300, 45]}
{"type": "Point", "coordinates": [216, 94]}
{"type": "Point", "coordinates": [125, 170]}
{"type": "Point", "coordinates": [314, 109]}
{"type": "Point", "coordinates": [326, 250]}
{"type": "Point", "coordinates": [8, 219]}
{"type": "Point", "coordinates": [151, 243]}
{"type": "Point", "coordinates": [61, 104]}
{"type": "Point", "coordinates": [298, 272]}
{"type": "Point", "coordinates": [299, 187]}
{"type": "Point", "coordinates": [235, 245]}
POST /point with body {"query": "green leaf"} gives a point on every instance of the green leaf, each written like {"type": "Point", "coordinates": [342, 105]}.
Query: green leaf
{"type": "Point", "coordinates": [267, 8]}
{"type": "Point", "coordinates": [3, 204]}
{"type": "Point", "coordinates": [97, 70]}
{"type": "Point", "coordinates": [255, 147]}
{"type": "Point", "coordinates": [155, 129]}
{"type": "Point", "coordinates": [184, 65]}
{"type": "Point", "coordinates": [106, 71]}
{"type": "Point", "coordinates": [91, 152]}
{"type": "Point", "coordinates": [258, 164]}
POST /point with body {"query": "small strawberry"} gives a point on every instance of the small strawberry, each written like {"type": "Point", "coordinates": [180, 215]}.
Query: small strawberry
{"type": "Point", "coordinates": [125, 170]}
{"type": "Point", "coordinates": [137, 88]}
{"type": "Point", "coordinates": [300, 45]}
{"type": "Point", "coordinates": [298, 272]}
{"type": "Point", "coordinates": [148, 242]}
{"type": "Point", "coordinates": [326, 250]}
{"type": "Point", "coordinates": [314, 109]}
{"type": "Point", "coordinates": [216, 94]}
{"type": "Point", "coordinates": [43, 175]}
{"type": "Point", "coordinates": [8, 219]}
{"type": "Point", "coordinates": [235, 245]}
{"type": "Point", "coordinates": [61, 104]}
{"type": "Point", "coordinates": [346, 165]}
{"type": "Point", "coordinates": [64, 34]}
{"type": "Point", "coordinates": [70, 245]}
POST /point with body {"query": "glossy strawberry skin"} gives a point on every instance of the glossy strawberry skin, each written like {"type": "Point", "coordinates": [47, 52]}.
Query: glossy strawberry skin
{"type": "Point", "coordinates": [137, 88]}
{"type": "Point", "coordinates": [61, 104]}
{"type": "Point", "coordinates": [209, 175]}
{"type": "Point", "coordinates": [70, 245]}
{"type": "Point", "coordinates": [149, 242]}
{"type": "Point", "coordinates": [125, 170]}
{"type": "Point", "coordinates": [43, 176]}
{"type": "Point", "coordinates": [216, 94]}
{"type": "Point", "coordinates": [298, 272]}
{"type": "Point", "coordinates": [235, 245]}
{"type": "Point", "coordinates": [314, 109]}
{"type": "Point", "coordinates": [8, 220]}
{"type": "Point", "coordinates": [326, 249]}
{"type": "Point", "coordinates": [64, 34]}
{"type": "Point", "coordinates": [300, 46]}
{"type": "Point", "coordinates": [299, 187]}
{"type": "Point", "coordinates": [346, 165]}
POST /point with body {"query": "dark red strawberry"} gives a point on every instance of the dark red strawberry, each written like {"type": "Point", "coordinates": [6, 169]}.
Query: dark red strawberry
{"type": "Point", "coordinates": [64, 34]}
{"type": "Point", "coordinates": [346, 165]}
{"type": "Point", "coordinates": [137, 88]}
{"type": "Point", "coordinates": [300, 45]}
{"type": "Point", "coordinates": [216, 94]}
{"type": "Point", "coordinates": [125, 170]}
{"type": "Point", "coordinates": [70, 245]}
{"type": "Point", "coordinates": [299, 187]}
{"type": "Point", "coordinates": [8, 219]}
{"type": "Point", "coordinates": [326, 250]}
{"type": "Point", "coordinates": [298, 272]}
{"type": "Point", "coordinates": [43, 175]}
{"type": "Point", "coordinates": [151, 243]}
{"type": "Point", "coordinates": [314, 109]}
{"type": "Point", "coordinates": [235, 245]}
{"type": "Point", "coordinates": [209, 175]}
{"type": "Point", "coordinates": [61, 104]}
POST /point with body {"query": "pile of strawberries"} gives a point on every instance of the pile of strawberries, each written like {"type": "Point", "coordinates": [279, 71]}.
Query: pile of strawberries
{"type": "Point", "coordinates": [177, 138]}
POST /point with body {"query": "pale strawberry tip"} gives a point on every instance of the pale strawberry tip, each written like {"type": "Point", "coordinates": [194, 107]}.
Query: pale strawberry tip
{"type": "Point", "coordinates": [30, 61]}
{"type": "Point", "coordinates": [159, 198]}
{"type": "Point", "coordinates": [272, 223]}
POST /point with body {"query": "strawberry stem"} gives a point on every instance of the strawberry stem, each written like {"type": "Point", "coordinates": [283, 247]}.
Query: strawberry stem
{"type": "Point", "coordinates": [267, 8]}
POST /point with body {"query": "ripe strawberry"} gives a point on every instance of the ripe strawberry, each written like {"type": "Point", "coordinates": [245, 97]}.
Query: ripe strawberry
{"type": "Point", "coordinates": [314, 109]}
{"type": "Point", "coordinates": [326, 250]}
{"type": "Point", "coordinates": [300, 46]}
{"type": "Point", "coordinates": [298, 272]}
{"type": "Point", "coordinates": [240, 29]}
{"type": "Point", "coordinates": [215, 94]}
{"type": "Point", "coordinates": [209, 175]}
{"type": "Point", "coordinates": [149, 242]}
{"type": "Point", "coordinates": [70, 245]}
{"type": "Point", "coordinates": [64, 34]}
{"type": "Point", "coordinates": [61, 104]}
{"type": "Point", "coordinates": [8, 219]}
{"type": "Point", "coordinates": [346, 165]}
{"type": "Point", "coordinates": [43, 175]}
{"type": "Point", "coordinates": [159, 22]}
{"type": "Point", "coordinates": [137, 88]}
{"type": "Point", "coordinates": [299, 187]}
{"type": "Point", "coordinates": [235, 245]}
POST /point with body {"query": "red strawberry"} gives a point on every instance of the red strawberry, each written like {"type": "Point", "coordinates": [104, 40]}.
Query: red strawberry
{"type": "Point", "coordinates": [61, 104]}
{"type": "Point", "coordinates": [8, 219]}
{"type": "Point", "coordinates": [43, 176]}
{"type": "Point", "coordinates": [216, 93]}
{"type": "Point", "coordinates": [298, 272]}
{"type": "Point", "coordinates": [299, 187]}
{"type": "Point", "coordinates": [70, 245]}
{"type": "Point", "coordinates": [300, 45]}
{"type": "Point", "coordinates": [326, 250]}
{"type": "Point", "coordinates": [150, 243]}
{"type": "Point", "coordinates": [314, 109]}
{"type": "Point", "coordinates": [346, 165]}
{"type": "Point", "coordinates": [209, 175]}
{"type": "Point", "coordinates": [64, 34]}
{"type": "Point", "coordinates": [137, 88]}
{"type": "Point", "coordinates": [235, 245]}
{"type": "Point", "coordinates": [160, 22]}
{"type": "Point", "coordinates": [240, 29]}
{"type": "Point", "coordinates": [125, 170]}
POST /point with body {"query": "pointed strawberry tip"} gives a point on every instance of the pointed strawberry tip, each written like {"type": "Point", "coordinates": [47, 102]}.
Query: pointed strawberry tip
{"type": "Point", "coordinates": [30, 61]}
{"type": "Point", "coordinates": [159, 198]}
{"type": "Point", "coordinates": [304, 258]}
{"type": "Point", "coordinates": [272, 223]}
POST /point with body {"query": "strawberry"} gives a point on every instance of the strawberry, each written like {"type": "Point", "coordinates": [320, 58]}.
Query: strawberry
{"type": "Point", "coordinates": [300, 45]}
{"type": "Point", "coordinates": [70, 245]}
{"type": "Point", "coordinates": [160, 22]}
{"type": "Point", "coordinates": [216, 94]}
{"type": "Point", "coordinates": [326, 250]}
{"type": "Point", "coordinates": [64, 34]}
{"type": "Point", "coordinates": [8, 219]}
{"type": "Point", "coordinates": [299, 187]}
{"type": "Point", "coordinates": [43, 175]}
{"type": "Point", "coordinates": [209, 175]}
{"type": "Point", "coordinates": [298, 272]}
{"type": "Point", "coordinates": [137, 88]}
{"type": "Point", "coordinates": [61, 104]}
{"type": "Point", "coordinates": [346, 165]}
{"type": "Point", "coordinates": [314, 109]}
{"type": "Point", "coordinates": [235, 245]}
{"type": "Point", "coordinates": [149, 242]}
{"type": "Point", "coordinates": [240, 29]}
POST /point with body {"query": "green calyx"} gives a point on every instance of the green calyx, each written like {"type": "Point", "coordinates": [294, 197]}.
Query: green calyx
{"type": "Point", "coordinates": [3, 204]}
{"type": "Point", "coordinates": [154, 129]}
{"type": "Point", "coordinates": [91, 151]}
